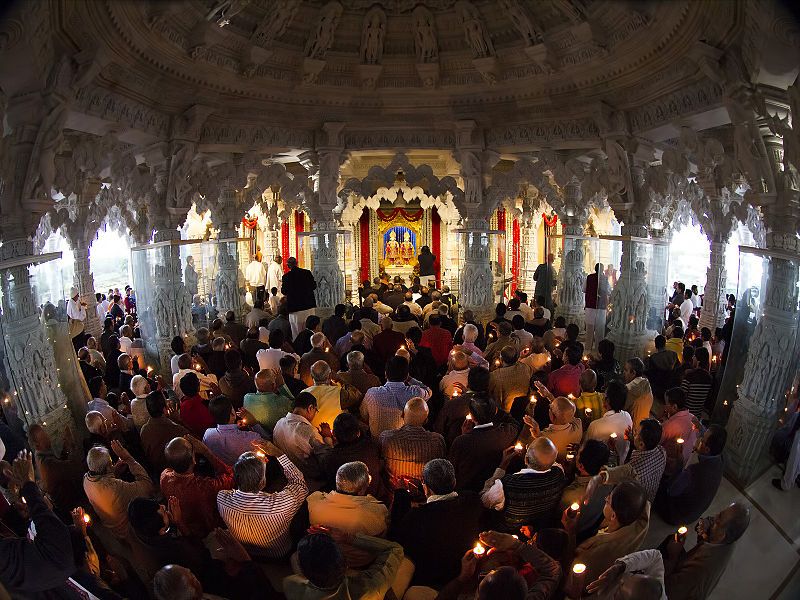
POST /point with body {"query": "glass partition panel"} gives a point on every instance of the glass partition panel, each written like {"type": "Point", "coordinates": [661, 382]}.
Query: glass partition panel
{"type": "Point", "coordinates": [487, 247]}
{"type": "Point", "coordinates": [51, 283]}
{"type": "Point", "coordinates": [312, 243]}
{"type": "Point", "coordinates": [756, 266]}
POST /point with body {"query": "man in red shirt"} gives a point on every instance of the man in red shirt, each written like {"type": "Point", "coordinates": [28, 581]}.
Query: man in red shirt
{"type": "Point", "coordinates": [567, 379]}
{"type": "Point", "coordinates": [196, 494]}
{"type": "Point", "coordinates": [387, 342]}
{"type": "Point", "coordinates": [194, 410]}
{"type": "Point", "coordinates": [438, 340]}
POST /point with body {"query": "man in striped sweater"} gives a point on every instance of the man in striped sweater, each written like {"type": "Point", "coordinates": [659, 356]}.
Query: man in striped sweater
{"type": "Point", "coordinates": [531, 496]}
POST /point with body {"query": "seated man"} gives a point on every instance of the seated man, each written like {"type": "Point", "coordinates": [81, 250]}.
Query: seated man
{"type": "Point", "coordinates": [288, 368]}
{"type": "Point", "coordinates": [615, 420]}
{"type": "Point", "coordinates": [236, 382]}
{"type": "Point", "coordinates": [351, 510]}
{"type": "Point", "coordinates": [590, 398]}
{"type": "Point", "coordinates": [640, 396]}
{"type": "Point", "coordinates": [332, 398]}
{"type": "Point", "coordinates": [477, 451]}
{"type": "Point", "coordinates": [356, 375]}
{"type": "Point", "coordinates": [230, 439]}
{"type": "Point", "coordinates": [679, 424]}
{"type": "Point", "coordinates": [196, 493]}
{"type": "Point", "coordinates": [457, 374]}
{"type": "Point", "coordinates": [647, 461]}
{"type": "Point", "coordinates": [303, 443]}
{"type": "Point", "coordinates": [187, 366]}
{"type": "Point", "coordinates": [635, 576]}
{"type": "Point", "coordinates": [565, 428]}
{"type": "Point", "coordinates": [661, 367]}
{"type": "Point", "coordinates": [320, 351]}
{"type": "Point", "coordinates": [388, 341]}
{"type": "Point", "coordinates": [324, 569]}
{"type": "Point", "coordinates": [688, 494]}
{"type": "Point", "coordinates": [509, 379]}
{"type": "Point", "coordinates": [531, 496]}
{"type": "Point", "coordinates": [592, 457]}
{"type": "Point", "coordinates": [158, 431]}
{"type": "Point", "coordinates": [351, 444]}
{"type": "Point", "coordinates": [270, 358]}
{"type": "Point", "coordinates": [140, 388]}
{"type": "Point", "coordinates": [627, 517]}
{"type": "Point", "coordinates": [539, 358]}
{"type": "Point", "coordinates": [109, 495]}
{"type": "Point", "coordinates": [695, 574]}
{"type": "Point", "coordinates": [566, 380]}
{"type": "Point", "coordinates": [271, 400]}
{"type": "Point", "coordinates": [250, 346]}
{"type": "Point", "coordinates": [257, 518]}
{"type": "Point", "coordinates": [436, 534]}
{"type": "Point", "coordinates": [408, 449]}
{"type": "Point", "coordinates": [302, 343]}
{"type": "Point", "coordinates": [194, 412]}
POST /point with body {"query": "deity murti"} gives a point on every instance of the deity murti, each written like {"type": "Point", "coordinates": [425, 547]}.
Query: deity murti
{"type": "Point", "coordinates": [406, 248]}
{"type": "Point", "coordinates": [392, 252]}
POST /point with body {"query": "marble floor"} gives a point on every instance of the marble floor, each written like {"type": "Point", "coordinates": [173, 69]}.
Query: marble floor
{"type": "Point", "coordinates": [766, 561]}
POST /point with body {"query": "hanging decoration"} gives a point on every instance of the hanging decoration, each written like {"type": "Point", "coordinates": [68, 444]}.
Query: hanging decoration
{"type": "Point", "coordinates": [551, 220]}
{"type": "Point", "coordinates": [391, 215]}
{"type": "Point", "coordinates": [250, 223]}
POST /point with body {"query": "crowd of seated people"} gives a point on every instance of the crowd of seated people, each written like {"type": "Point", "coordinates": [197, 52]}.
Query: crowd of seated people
{"type": "Point", "coordinates": [397, 449]}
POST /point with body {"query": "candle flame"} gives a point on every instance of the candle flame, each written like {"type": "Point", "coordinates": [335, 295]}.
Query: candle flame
{"type": "Point", "coordinates": [680, 440]}
{"type": "Point", "coordinates": [613, 436]}
{"type": "Point", "coordinates": [469, 417]}
{"type": "Point", "coordinates": [682, 530]}
{"type": "Point", "coordinates": [575, 506]}
{"type": "Point", "coordinates": [578, 568]}
{"type": "Point", "coordinates": [86, 518]}
{"type": "Point", "coordinates": [517, 446]}
{"type": "Point", "coordinates": [478, 550]}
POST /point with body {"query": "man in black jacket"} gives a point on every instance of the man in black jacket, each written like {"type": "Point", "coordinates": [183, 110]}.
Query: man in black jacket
{"type": "Point", "coordinates": [298, 286]}
{"type": "Point", "coordinates": [427, 262]}
{"type": "Point", "coordinates": [435, 535]}
{"type": "Point", "coordinates": [44, 564]}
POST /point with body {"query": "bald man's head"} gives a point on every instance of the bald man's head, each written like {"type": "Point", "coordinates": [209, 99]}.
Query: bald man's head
{"type": "Point", "coordinates": [265, 381]}
{"type": "Point", "coordinates": [588, 381]}
{"type": "Point", "coordinates": [639, 587]}
{"type": "Point", "coordinates": [562, 410]}
{"type": "Point", "coordinates": [321, 372]}
{"type": "Point", "coordinates": [179, 455]}
{"type": "Point", "coordinates": [404, 353]}
{"type": "Point", "coordinates": [95, 422]}
{"type": "Point", "coordinates": [542, 454]}
{"type": "Point", "coordinates": [386, 324]}
{"type": "Point", "coordinates": [174, 582]}
{"type": "Point", "coordinates": [415, 412]}
{"type": "Point", "coordinates": [460, 361]}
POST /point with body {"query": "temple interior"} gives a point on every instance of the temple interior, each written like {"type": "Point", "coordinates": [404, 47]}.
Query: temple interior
{"type": "Point", "coordinates": [180, 147]}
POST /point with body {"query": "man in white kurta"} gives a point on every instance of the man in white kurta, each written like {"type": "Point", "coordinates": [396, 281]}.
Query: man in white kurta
{"type": "Point", "coordinates": [256, 276]}
{"type": "Point", "coordinates": [275, 275]}
{"type": "Point", "coordinates": [76, 311]}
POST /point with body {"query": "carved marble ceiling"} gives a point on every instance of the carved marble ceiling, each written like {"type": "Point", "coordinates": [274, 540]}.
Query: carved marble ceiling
{"type": "Point", "coordinates": [301, 62]}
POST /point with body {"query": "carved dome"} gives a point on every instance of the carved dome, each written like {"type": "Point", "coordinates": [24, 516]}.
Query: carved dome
{"type": "Point", "coordinates": [308, 61]}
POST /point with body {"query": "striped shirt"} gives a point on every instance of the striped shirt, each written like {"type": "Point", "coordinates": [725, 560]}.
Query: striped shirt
{"type": "Point", "coordinates": [697, 384]}
{"type": "Point", "coordinates": [649, 466]}
{"type": "Point", "coordinates": [382, 407]}
{"type": "Point", "coordinates": [262, 519]}
{"type": "Point", "coordinates": [406, 450]}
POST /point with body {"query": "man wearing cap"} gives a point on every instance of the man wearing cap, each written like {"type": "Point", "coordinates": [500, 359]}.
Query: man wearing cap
{"type": "Point", "coordinates": [76, 311]}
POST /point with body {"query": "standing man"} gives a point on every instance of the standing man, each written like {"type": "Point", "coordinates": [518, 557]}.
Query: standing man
{"type": "Point", "coordinates": [545, 278]}
{"type": "Point", "coordinates": [597, 293]}
{"type": "Point", "coordinates": [298, 286]}
{"type": "Point", "coordinates": [426, 261]}
{"type": "Point", "coordinates": [256, 276]}
{"type": "Point", "coordinates": [76, 311]}
{"type": "Point", "coordinates": [275, 274]}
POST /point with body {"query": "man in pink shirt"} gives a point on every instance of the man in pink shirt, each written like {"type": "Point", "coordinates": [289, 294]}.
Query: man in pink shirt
{"type": "Point", "coordinates": [567, 379]}
{"type": "Point", "coordinates": [680, 423]}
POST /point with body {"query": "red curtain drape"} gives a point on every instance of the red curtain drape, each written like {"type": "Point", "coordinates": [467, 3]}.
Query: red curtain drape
{"type": "Point", "coordinates": [363, 228]}
{"type": "Point", "coordinates": [299, 227]}
{"type": "Point", "coordinates": [410, 215]}
{"type": "Point", "coordinates": [501, 247]}
{"type": "Point", "coordinates": [436, 243]}
{"type": "Point", "coordinates": [285, 243]}
{"type": "Point", "coordinates": [515, 257]}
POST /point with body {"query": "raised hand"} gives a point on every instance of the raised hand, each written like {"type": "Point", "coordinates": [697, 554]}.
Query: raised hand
{"type": "Point", "coordinates": [607, 579]}
{"type": "Point", "coordinates": [501, 541]}
{"type": "Point", "coordinates": [21, 471]}
{"type": "Point", "coordinates": [118, 449]}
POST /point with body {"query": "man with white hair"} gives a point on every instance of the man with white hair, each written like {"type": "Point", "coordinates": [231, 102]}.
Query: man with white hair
{"type": "Point", "coordinates": [388, 341]}
{"type": "Point", "coordinates": [470, 334]}
{"type": "Point", "coordinates": [564, 429]}
{"type": "Point", "coordinates": [351, 510]}
{"type": "Point", "coordinates": [109, 495]}
{"type": "Point", "coordinates": [530, 496]}
{"type": "Point", "coordinates": [356, 375]}
{"type": "Point", "coordinates": [406, 450]}
{"type": "Point", "coordinates": [415, 308]}
{"type": "Point", "coordinates": [320, 350]}
{"type": "Point", "coordinates": [76, 311]}
{"type": "Point", "coordinates": [140, 388]}
{"type": "Point", "coordinates": [332, 398]}
{"type": "Point", "coordinates": [457, 374]}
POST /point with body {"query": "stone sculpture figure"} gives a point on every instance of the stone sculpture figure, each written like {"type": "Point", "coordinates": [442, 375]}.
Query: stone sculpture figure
{"type": "Point", "coordinates": [372, 36]}
{"type": "Point", "coordinates": [275, 23]}
{"type": "Point", "coordinates": [474, 30]}
{"type": "Point", "coordinates": [322, 38]}
{"type": "Point", "coordinates": [529, 31]}
{"type": "Point", "coordinates": [425, 35]}
{"type": "Point", "coordinates": [190, 276]}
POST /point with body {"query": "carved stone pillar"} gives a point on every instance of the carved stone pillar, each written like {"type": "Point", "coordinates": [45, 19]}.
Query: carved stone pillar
{"type": "Point", "coordinates": [476, 277]}
{"type": "Point", "coordinates": [766, 373]}
{"type": "Point", "coordinates": [713, 313]}
{"type": "Point", "coordinates": [172, 302]}
{"type": "Point", "coordinates": [572, 277]}
{"type": "Point", "coordinates": [28, 358]}
{"type": "Point", "coordinates": [657, 270]}
{"type": "Point", "coordinates": [84, 281]}
{"type": "Point", "coordinates": [630, 301]}
{"type": "Point", "coordinates": [327, 271]}
{"type": "Point", "coordinates": [228, 290]}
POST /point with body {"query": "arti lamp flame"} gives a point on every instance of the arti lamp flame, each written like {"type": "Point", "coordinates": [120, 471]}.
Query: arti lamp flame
{"type": "Point", "coordinates": [479, 550]}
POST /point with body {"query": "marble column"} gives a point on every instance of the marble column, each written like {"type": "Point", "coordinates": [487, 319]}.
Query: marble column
{"type": "Point", "coordinates": [630, 301]}
{"type": "Point", "coordinates": [657, 273]}
{"type": "Point", "coordinates": [766, 373]}
{"type": "Point", "coordinates": [171, 305]}
{"type": "Point", "coordinates": [228, 288]}
{"type": "Point", "coordinates": [327, 270]}
{"type": "Point", "coordinates": [530, 256]}
{"type": "Point", "coordinates": [712, 314]}
{"type": "Point", "coordinates": [29, 359]}
{"type": "Point", "coordinates": [476, 277]}
{"type": "Point", "coordinates": [84, 281]}
{"type": "Point", "coordinates": [572, 277]}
